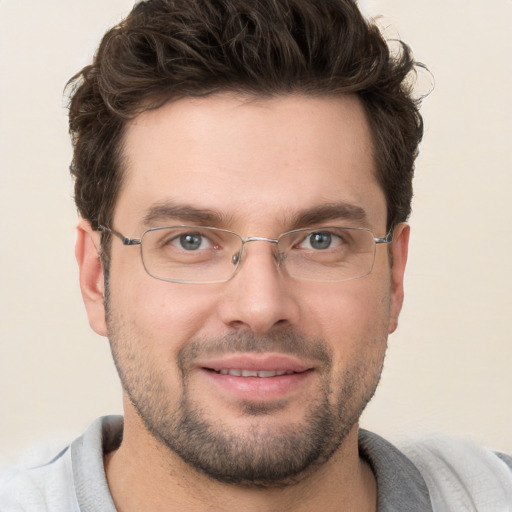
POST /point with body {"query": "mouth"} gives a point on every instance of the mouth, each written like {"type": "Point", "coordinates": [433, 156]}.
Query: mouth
{"type": "Point", "coordinates": [255, 377]}
{"type": "Point", "coordinates": [262, 374]}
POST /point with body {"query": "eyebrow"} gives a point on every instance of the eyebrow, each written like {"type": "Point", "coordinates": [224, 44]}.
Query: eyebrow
{"type": "Point", "coordinates": [329, 212]}
{"type": "Point", "coordinates": [169, 211]}
{"type": "Point", "coordinates": [163, 212]}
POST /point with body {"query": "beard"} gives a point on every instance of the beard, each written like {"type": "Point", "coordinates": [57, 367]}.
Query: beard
{"type": "Point", "coordinates": [264, 454]}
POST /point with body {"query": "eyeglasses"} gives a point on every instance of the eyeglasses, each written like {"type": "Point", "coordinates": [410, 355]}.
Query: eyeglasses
{"type": "Point", "coordinates": [197, 254]}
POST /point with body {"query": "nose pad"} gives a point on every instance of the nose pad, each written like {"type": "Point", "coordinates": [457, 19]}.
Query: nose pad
{"type": "Point", "coordinates": [238, 258]}
{"type": "Point", "coordinates": [279, 256]}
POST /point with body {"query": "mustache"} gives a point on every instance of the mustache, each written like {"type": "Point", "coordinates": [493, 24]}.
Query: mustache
{"type": "Point", "coordinates": [283, 342]}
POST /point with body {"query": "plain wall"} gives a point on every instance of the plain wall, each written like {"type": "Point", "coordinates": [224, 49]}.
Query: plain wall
{"type": "Point", "coordinates": [449, 365]}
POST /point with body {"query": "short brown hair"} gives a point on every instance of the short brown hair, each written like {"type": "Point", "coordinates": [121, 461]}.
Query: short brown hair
{"type": "Point", "coordinates": [168, 49]}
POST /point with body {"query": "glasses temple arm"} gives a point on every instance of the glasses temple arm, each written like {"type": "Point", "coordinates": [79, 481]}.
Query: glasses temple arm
{"type": "Point", "coordinates": [387, 239]}
{"type": "Point", "coordinates": [125, 240]}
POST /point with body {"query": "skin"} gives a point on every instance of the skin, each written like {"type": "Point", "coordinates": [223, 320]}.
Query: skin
{"type": "Point", "coordinates": [259, 163]}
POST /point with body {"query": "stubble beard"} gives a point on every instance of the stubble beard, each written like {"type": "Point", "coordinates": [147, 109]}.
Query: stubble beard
{"type": "Point", "coordinates": [264, 456]}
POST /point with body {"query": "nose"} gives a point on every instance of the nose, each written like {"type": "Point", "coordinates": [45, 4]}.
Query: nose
{"type": "Point", "coordinates": [260, 296]}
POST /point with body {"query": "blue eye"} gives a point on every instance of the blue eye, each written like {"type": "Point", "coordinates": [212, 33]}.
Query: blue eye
{"type": "Point", "coordinates": [191, 241]}
{"type": "Point", "coordinates": [321, 240]}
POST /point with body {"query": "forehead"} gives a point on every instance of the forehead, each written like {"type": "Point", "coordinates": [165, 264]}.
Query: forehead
{"type": "Point", "coordinates": [251, 160]}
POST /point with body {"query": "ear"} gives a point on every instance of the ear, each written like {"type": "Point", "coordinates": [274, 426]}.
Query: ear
{"type": "Point", "coordinates": [92, 283]}
{"type": "Point", "coordinates": [399, 250]}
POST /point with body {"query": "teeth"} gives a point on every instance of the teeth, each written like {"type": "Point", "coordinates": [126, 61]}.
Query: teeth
{"type": "Point", "coordinates": [267, 373]}
{"type": "Point", "coordinates": [254, 373]}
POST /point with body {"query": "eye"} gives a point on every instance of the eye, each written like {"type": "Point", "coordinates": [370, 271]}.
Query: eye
{"type": "Point", "coordinates": [191, 242]}
{"type": "Point", "coordinates": [321, 240]}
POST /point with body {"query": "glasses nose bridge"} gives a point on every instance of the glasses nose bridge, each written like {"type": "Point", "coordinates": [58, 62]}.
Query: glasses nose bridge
{"type": "Point", "coordinates": [255, 239]}
{"type": "Point", "coordinates": [258, 239]}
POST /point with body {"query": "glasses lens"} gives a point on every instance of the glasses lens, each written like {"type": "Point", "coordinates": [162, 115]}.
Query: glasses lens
{"type": "Point", "coordinates": [328, 253]}
{"type": "Point", "coordinates": [190, 254]}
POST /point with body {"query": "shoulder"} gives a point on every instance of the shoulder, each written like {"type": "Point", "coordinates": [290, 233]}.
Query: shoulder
{"type": "Point", "coordinates": [72, 481]}
{"type": "Point", "coordinates": [438, 474]}
{"type": "Point", "coordinates": [44, 487]}
{"type": "Point", "coordinates": [400, 484]}
{"type": "Point", "coordinates": [460, 473]}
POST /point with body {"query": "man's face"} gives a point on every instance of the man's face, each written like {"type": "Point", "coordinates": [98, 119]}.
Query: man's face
{"type": "Point", "coordinates": [253, 166]}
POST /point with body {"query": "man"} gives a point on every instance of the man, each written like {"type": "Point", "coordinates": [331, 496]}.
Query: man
{"type": "Point", "coordinates": [243, 175]}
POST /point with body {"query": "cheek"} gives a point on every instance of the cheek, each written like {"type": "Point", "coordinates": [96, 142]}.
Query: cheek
{"type": "Point", "coordinates": [159, 315]}
{"type": "Point", "coordinates": [352, 317]}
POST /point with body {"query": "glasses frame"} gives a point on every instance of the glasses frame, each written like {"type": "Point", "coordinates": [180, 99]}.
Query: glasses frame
{"type": "Point", "coordinates": [138, 241]}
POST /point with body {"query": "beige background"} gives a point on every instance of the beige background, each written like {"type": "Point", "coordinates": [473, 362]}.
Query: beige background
{"type": "Point", "coordinates": [449, 365]}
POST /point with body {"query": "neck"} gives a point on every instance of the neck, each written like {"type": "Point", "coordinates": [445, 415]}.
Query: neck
{"type": "Point", "coordinates": [144, 475]}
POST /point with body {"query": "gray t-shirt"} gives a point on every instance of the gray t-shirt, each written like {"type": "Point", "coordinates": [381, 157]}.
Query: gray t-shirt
{"type": "Point", "coordinates": [75, 481]}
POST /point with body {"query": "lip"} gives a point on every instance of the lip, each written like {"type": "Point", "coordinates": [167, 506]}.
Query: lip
{"type": "Point", "coordinates": [256, 389]}
{"type": "Point", "coordinates": [263, 362]}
